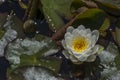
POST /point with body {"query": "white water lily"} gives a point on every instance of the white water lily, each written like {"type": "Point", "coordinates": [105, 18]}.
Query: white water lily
{"type": "Point", "coordinates": [80, 44]}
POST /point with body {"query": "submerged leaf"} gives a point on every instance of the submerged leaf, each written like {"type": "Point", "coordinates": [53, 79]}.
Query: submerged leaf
{"type": "Point", "coordinates": [18, 26]}
{"type": "Point", "coordinates": [3, 17]}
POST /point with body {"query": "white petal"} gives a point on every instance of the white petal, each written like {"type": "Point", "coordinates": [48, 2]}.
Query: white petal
{"type": "Point", "coordinates": [68, 41]}
{"type": "Point", "coordinates": [95, 49]}
{"type": "Point", "coordinates": [69, 56]}
{"type": "Point", "coordinates": [70, 29]}
{"type": "Point", "coordinates": [82, 57]}
{"type": "Point", "coordinates": [75, 32]}
{"type": "Point", "coordinates": [92, 51]}
{"type": "Point", "coordinates": [82, 32]}
{"type": "Point", "coordinates": [89, 35]}
{"type": "Point", "coordinates": [81, 27]}
{"type": "Point", "coordinates": [91, 58]}
{"type": "Point", "coordinates": [66, 54]}
{"type": "Point", "coordinates": [64, 44]}
{"type": "Point", "coordinates": [95, 35]}
{"type": "Point", "coordinates": [73, 59]}
{"type": "Point", "coordinates": [88, 31]}
{"type": "Point", "coordinates": [68, 34]}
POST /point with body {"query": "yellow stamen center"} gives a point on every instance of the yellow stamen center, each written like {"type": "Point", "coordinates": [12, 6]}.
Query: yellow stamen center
{"type": "Point", "coordinates": [79, 44]}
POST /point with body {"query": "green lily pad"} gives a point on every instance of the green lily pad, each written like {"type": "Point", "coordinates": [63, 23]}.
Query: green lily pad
{"type": "Point", "coordinates": [117, 62]}
{"type": "Point", "coordinates": [51, 63]}
{"type": "Point", "coordinates": [33, 72]}
{"type": "Point", "coordinates": [114, 2]}
{"type": "Point", "coordinates": [54, 10]}
{"type": "Point", "coordinates": [104, 27]}
{"type": "Point", "coordinates": [76, 4]}
{"type": "Point", "coordinates": [92, 18]}
{"type": "Point", "coordinates": [32, 52]}
{"type": "Point", "coordinates": [117, 35]}
{"type": "Point", "coordinates": [1, 33]}
{"type": "Point", "coordinates": [109, 7]}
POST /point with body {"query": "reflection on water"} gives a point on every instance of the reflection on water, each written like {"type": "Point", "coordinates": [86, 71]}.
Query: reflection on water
{"type": "Point", "coordinates": [34, 74]}
{"type": "Point", "coordinates": [107, 57]}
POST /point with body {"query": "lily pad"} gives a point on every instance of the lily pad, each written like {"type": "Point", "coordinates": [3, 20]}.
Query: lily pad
{"type": "Point", "coordinates": [114, 2]}
{"type": "Point", "coordinates": [117, 61]}
{"type": "Point", "coordinates": [104, 27]}
{"type": "Point", "coordinates": [32, 52]}
{"type": "Point", "coordinates": [117, 35]}
{"type": "Point", "coordinates": [51, 63]}
{"type": "Point", "coordinates": [92, 18]}
{"type": "Point", "coordinates": [1, 33]}
{"type": "Point", "coordinates": [54, 10]}
{"type": "Point", "coordinates": [109, 7]}
{"type": "Point", "coordinates": [33, 73]}
{"type": "Point", "coordinates": [76, 4]}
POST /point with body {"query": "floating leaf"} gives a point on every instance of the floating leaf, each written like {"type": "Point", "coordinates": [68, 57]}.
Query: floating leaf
{"type": "Point", "coordinates": [31, 12]}
{"type": "Point", "coordinates": [51, 63]}
{"type": "Point", "coordinates": [54, 10]}
{"type": "Point", "coordinates": [32, 52]}
{"type": "Point", "coordinates": [117, 35]}
{"type": "Point", "coordinates": [117, 61]}
{"type": "Point", "coordinates": [76, 4]}
{"type": "Point", "coordinates": [33, 72]}
{"type": "Point", "coordinates": [92, 18]}
{"type": "Point", "coordinates": [104, 27]}
{"type": "Point", "coordinates": [24, 6]}
{"type": "Point", "coordinates": [109, 7]}
{"type": "Point", "coordinates": [1, 33]}
{"type": "Point", "coordinates": [114, 2]}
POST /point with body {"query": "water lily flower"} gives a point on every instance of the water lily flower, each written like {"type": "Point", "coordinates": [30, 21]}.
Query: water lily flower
{"type": "Point", "coordinates": [80, 44]}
